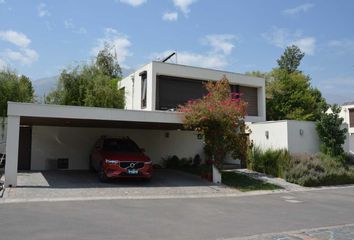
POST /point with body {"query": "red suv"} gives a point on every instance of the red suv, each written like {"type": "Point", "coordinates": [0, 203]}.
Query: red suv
{"type": "Point", "coordinates": [119, 158]}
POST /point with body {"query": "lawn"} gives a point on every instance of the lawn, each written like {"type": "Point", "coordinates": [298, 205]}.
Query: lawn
{"type": "Point", "coordinates": [235, 180]}
{"type": "Point", "coordinates": [245, 183]}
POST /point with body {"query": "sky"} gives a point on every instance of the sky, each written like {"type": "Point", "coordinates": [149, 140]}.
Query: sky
{"type": "Point", "coordinates": [41, 38]}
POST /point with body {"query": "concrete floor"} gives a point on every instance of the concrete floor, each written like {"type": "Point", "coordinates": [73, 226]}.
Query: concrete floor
{"type": "Point", "coordinates": [48, 185]}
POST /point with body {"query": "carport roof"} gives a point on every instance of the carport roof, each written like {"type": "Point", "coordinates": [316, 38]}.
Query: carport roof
{"type": "Point", "coordinates": [77, 116]}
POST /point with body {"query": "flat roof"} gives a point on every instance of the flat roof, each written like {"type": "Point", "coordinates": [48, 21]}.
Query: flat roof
{"type": "Point", "coordinates": [78, 116]}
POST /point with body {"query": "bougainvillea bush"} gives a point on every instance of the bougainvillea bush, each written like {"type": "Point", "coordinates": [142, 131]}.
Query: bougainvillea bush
{"type": "Point", "coordinates": [219, 118]}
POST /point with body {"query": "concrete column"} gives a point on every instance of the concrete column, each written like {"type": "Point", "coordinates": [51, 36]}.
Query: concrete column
{"type": "Point", "coordinates": [12, 143]}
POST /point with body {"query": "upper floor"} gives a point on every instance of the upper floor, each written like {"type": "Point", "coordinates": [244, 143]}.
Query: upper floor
{"type": "Point", "coordinates": [347, 113]}
{"type": "Point", "coordinates": [164, 86]}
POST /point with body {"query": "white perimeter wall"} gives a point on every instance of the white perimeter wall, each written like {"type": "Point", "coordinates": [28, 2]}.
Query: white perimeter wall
{"type": "Point", "coordinates": [3, 130]}
{"type": "Point", "coordinates": [286, 135]}
{"type": "Point", "coordinates": [278, 138]}
{"type": "Point", "coordinates": [308, 142]}
{"type": "Point", "coordinates": [76, 144]}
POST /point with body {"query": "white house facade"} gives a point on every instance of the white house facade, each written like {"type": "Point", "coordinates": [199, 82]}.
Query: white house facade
{"type": "Point", "coordinates": [39, 135]}
{"type": "Point", "coordinates": [347, 113]}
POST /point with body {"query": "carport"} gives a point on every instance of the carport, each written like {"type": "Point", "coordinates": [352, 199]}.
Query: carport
{"type": "Point", "coordinates": [23, 116]}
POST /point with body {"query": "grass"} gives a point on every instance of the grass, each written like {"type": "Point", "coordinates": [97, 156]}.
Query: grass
{"type": "Point", "coordinates": [234, 180]}
{"type": "Point", "coordinates": [245, 183]}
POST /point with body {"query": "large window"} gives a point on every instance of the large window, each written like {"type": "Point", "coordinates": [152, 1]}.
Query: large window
{"type": "Point", "coordinates": [351, 117]}
{"type": "Point", "coordinates": [143, 76]}
{"type": "Point", "coordinates": [174, 91]}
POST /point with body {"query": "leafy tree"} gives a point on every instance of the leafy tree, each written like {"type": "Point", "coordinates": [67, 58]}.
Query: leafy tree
{"type": "Point", "coordinates": [330, 132]}
{"type": "Point", "coordinates": [93, 85]}
{"type": "Point", "coordinates": [289, 94]}
{"type": "Point", "coordinates": [14, 88]}
{"type": "Point", "coordinates": [291, 59]}
{"type": "Point", "coordinates": [219, 118]}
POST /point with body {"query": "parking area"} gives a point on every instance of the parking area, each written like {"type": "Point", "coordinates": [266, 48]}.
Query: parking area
{"type": "Point", "coordinates": [62, 185]}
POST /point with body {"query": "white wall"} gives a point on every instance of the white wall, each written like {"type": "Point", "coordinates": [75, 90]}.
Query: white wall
{"type": "Point", "coordinates": [3, 130]}
{"type": "Point", "coordinates": [308, 142]}
{"type": "Point", "coordinates": [286, 135]}
{"type": "Point", "coordinates": [132, 85]}
{"type": "Point", "coordinates": [277, 132]}
{"type": "Point", "coordinates": [351, 143]}
{"type": "Point", "coordinates": [76, 144]}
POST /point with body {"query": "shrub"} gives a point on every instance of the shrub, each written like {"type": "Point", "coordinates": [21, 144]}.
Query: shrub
{"type": "Point", "coordinates": [318, 169]}
{"type": "Point", "coordinates": [176, 162]}
{"type": "Point", "coordinates": [271, 161]}
{"type": "Point", "coordinates": [219, 118]}
{"type": "Point", "coordinates": [330, 132]}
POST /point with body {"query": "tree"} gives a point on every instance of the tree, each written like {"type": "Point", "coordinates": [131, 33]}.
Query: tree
{"type": "Point", "coordinates": [14, 88]}
{"type": "Point", "coordinates": [291, 59]}
{"type": "Point", "coordinates": [219, 118]}
{"type": "Point", "coordinates": [289, 94]}
{"type": "Point", "coordinates": [330, 132]}
{"type": "Point", "coordinates": [93, 85]}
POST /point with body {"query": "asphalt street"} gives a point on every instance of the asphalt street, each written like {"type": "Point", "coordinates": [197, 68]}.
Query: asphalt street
{"type": "Point", "coordinates": [206, 218]}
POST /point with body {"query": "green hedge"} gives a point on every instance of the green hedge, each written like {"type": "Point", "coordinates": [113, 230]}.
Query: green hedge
{"type": "Point", "coordinates": [270, 161]}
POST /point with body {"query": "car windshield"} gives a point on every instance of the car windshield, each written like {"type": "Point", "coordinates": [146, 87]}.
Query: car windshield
{"type": "Point", "coordinates": [120, 145]}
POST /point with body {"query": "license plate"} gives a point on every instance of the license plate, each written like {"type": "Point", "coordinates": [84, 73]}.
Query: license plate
{"type": "Point", "coordinates": [132, 171]}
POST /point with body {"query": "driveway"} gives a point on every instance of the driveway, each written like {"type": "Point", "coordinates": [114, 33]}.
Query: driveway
{"type": "Point", "coordinates": [71, 185]}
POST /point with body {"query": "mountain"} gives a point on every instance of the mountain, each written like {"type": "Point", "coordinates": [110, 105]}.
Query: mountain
{"type": "Point", "coordinates": [43, 86]}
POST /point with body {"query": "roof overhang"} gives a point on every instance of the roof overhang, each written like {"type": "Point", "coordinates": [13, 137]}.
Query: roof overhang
{"type": "Point", "coordinates": [77, 116]}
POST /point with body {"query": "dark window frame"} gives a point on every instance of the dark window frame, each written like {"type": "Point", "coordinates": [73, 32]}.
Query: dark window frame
{"type": "Point", "coordinates": [143, 97]}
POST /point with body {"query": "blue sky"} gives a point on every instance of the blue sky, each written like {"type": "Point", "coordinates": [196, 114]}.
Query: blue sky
{"type": "Point", "coordinates": [39, 38]}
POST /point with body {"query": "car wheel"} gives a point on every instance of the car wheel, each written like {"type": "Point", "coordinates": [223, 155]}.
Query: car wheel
{"type": "Point", "coordinates": [102, 176]}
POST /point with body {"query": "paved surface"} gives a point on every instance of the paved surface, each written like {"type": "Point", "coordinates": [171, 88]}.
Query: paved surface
{"type": "Point", "coordinates": [270, 179]}
{"type": "Point", "coordinates": [205, 218]}
{"type": "Point", "coordinates": [343, 232]}
{"type": "Point", "coordinates": [71, 185]}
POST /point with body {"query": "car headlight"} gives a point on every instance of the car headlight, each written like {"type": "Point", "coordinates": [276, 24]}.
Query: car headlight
{"type": "Point", "coordinates": [110, 161]}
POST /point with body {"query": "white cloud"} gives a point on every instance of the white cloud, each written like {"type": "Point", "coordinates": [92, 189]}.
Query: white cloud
{"type": "Point", "coordinates": [207, 60]}
{"type": "Point", "coordinates": [223, 43]}
{"type": "Point", "coordinates": [342, 46]}
{"type": "Point", "coordinates": [299, 9]}
{"type": "Point", "coordinates": [42, 10]}
{"type": "Point", "coordinates": [119, 42]}
{"type": "Point", "coordinates": [17, 38]}
{"type": "Point", "coordinates": [184, 5]}
{"type": "Point", "coordinates": [3, 64]}
{"type": "Point", "coordinates": [134, 3]}
{"type": "Point", "coordinates": [217, 56]}
{"type": "Point", "coordinates": [282, 38]}
{"type": "Point", "coordinates": [24, 54]}
{"type": "Point", "coordinates": [69, 24]}
{"type": "Point", "coordinates": [170, 16]}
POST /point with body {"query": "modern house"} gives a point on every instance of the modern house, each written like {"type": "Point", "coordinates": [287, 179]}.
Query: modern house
{"type": "Point", "coordinates": [45, 137]}
{"type": "Point", "coordinates": [159, 86]}
{"type": "Point", "coordinates": [347, 113]}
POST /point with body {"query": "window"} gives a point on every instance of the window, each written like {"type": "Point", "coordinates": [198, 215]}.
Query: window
{"type": "Point", "coordinates": [235, 91]}
{"type": "Point", "coordinates": [143, 76]}
{"type": "Point", "coordinates": [351, 117]}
